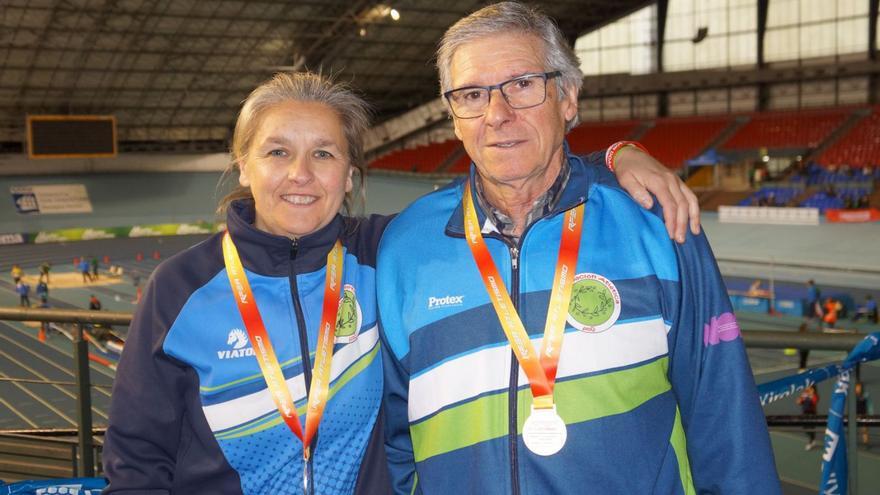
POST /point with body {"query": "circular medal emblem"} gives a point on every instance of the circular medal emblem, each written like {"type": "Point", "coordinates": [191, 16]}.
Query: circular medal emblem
{"type": "Point", "coordinates": [544, 432]}
{"type": "Point", "coordinates": [349, 318]}
{"type": "Point", "coordinates": [595, 303]}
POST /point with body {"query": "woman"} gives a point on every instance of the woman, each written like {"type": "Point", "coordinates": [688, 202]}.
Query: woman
{"type": "Point", "coordinates": [191, 412]}
{"type": "Point", "coordinates": [198, 405]}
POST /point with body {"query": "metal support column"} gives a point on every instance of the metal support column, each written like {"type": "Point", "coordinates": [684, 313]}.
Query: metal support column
{"type": "Point", "coordinates": [663, 95]}
{"type": "Point", "coordinates": [873, 78]}
{"type": "Point", "coordinates": [852, 436]}
{"type": "Point", "coordinates": [763, 87]}
{"type": "Point", "coordinates": [86, 465]}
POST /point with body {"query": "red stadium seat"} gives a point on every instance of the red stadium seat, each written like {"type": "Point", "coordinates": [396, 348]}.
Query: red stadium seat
{"type": "Point", "coordinates": [674, 140]}
{"type": "Point", "coordinates": [787, 129]}
{"type": "Point", "coordinates": [592, 136]}
{"type": "Point", "coordinates": [859, 147]}
{"type": "Point", "coordinates": [420, 159]}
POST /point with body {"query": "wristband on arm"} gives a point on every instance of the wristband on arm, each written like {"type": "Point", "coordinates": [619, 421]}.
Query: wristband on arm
{"type": "Point", "coordinates": [612, 151]}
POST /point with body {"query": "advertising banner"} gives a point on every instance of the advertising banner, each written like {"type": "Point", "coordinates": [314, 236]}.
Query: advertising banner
{"type": "Point", "coordinates": [86, 234]}
{"type": "Point", "coordinates": [13, 238]}
{"type": "Point", "coordinates": [774, 215]}
{"type": "Point", "coordinates": [51, 199]}
{"type": "Point", "coordinates": [853, 216]}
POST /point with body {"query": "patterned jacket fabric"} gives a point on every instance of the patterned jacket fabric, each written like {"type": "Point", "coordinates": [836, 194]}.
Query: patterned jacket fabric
{"type": "Point", "coordinates": [653, 381]}
{"type": "Point", "coordinates": [191, 413]}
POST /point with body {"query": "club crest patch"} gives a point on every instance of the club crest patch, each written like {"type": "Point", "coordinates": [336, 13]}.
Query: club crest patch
{"type": "Point", "coordinates": [595, 303]}
{"type": "Point", "coordinates": [349, 318]}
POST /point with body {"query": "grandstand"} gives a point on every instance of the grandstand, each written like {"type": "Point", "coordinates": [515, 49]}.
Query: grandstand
{"type": "Point", "coordinates": [786, 130]}
{"type": "Point", "coordinates": [424, 159]}
{"type": "Point", "coordinates": [677, 140]}
{"type": "Point", "coordinates": [592, 136]}
{"type": "Point", "coordinates": [767, 108]}
{"type": "Point", "coordinates": [860, 147]}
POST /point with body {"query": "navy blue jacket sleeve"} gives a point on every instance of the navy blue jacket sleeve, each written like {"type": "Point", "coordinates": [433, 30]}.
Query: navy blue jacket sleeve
{"type": "Point", "coordinates": [398, 442]}
{"type": "Point", "coordinates": [728, 445]}
{"type": "Point", "coordinates": [143, 436]}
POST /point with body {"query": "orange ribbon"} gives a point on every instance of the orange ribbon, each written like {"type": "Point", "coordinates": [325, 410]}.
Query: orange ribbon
{"type": "Point", "coordinates": [541, 371]}
{"type": "Point", "coordinates": [253, 322]}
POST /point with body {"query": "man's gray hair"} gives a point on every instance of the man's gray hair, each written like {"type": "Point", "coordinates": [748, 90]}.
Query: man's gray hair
{"type": "Point", "coordinates": [507, 18]}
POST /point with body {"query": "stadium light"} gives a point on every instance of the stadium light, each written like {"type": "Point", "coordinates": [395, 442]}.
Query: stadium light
{"type": "Point", "coordinates": [395, 15]}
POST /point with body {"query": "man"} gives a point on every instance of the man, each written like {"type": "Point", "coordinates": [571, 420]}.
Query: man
{"type": "Point", "coordinates": [45, 267]}
{"type": "Point", "coordinates": [868, 310]}
{"type": "Point", "coordinates": [808, 400]}
{"type": "Point", "coordinates": [642, 384]}
{"type": "Point", "coordinates": [23, 290]}
{"type": "Point", "coordinates": [814, 306]}
{"type": "Point", "coordinates": [84, 270]}
{"type": "Point", "coordinates": [43, 291]}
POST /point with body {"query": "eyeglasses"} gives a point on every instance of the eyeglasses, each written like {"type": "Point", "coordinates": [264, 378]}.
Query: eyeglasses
{"type": "Point", "coordinates": [526, 91]}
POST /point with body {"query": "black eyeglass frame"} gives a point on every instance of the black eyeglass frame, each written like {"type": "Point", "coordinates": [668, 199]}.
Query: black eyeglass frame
{"type": "Point", "coordinates": [546, 76]}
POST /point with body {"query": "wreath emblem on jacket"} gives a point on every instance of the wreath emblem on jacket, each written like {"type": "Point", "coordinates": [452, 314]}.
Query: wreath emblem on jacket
{"type": "Point", "coordinates": [349, 317]}
{"type": "Point", "coordinates": [595, 303]}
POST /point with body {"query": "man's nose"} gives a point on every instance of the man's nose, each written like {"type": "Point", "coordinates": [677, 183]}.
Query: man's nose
{"type": "Point", "coordinates": [498, 111]}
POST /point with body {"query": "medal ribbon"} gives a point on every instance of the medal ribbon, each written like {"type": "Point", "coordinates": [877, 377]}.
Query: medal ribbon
{"type": "Point", "coordinates": [541, 371]}
{"type": "Point", "coordinates": [253, 322]}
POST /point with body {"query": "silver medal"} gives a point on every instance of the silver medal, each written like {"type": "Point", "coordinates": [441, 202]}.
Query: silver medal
{"type": "Point", "coordinates": [544, 432]}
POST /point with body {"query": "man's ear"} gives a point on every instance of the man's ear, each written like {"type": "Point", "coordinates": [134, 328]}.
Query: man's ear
{"type": "Point", "coordinates": [569, 104]}
{"type": "Point", "coordinates": [455, 128]}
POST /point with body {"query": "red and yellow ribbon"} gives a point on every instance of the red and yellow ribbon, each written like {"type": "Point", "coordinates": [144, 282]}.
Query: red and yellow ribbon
{"type": "Point", "coordinates": [540, 370]}
{"type": "Point", "coordinates": [271, 369]}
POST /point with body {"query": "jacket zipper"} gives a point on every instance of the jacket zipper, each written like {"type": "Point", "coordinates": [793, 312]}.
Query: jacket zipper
{"type": "Point", "coordinates": [301, 327]}
{"type": "Point", "coordinates": [513, 387]}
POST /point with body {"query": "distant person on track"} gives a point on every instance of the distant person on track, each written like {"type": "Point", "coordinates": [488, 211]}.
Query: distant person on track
{"type": "Point", "coordinates": [83, 268]}
{"type": "Point", "coordinates": [867, 310]}
{"type": "Point", "coordinates": [45, 267]}
{"type": "Point", "coordinates": [94, 264]}
{"type": "Point", "coordinates": [43, 291]}
{"type": "Point", "coordinates": [831, 310]}
{"type": "Point", "coordinates": [94, 303]}
{"type": "Point", "coordinates": [803, 354]}
{"type": "Point", "coordinates": [814, 303]}
{"type": "Point", "coordinates": [136, 279]}
{"type": "Point", "coordinates": [809, 400]}
{"type": "Point", "coordinates": [864, 407]}
{"type": "Point", "coordinates": [16, 273]}
{"type": "Point", "coordinates": [23, 290]}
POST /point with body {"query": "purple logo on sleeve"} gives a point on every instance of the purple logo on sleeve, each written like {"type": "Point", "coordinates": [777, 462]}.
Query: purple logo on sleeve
{"type": "Point", "coordinates": [722, 328]}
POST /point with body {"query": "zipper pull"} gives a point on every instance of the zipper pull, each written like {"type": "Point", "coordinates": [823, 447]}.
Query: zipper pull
{"type": "Point", "coordinates": [514, 257]}
{"type": "Point", "coordinates": [294, 247]}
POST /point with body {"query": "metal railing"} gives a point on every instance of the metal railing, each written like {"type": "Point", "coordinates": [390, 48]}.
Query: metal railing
{"type": "Point", "coordinates": [85, 449]}
{"type": "Point", "coordinates": [85, 446]}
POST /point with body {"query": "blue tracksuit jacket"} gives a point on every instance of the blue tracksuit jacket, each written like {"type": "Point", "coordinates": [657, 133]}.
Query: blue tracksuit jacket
{"type": "Point", "coordinates": [653, 381]}
{"type": "Point", "coordinates": [190, 410]}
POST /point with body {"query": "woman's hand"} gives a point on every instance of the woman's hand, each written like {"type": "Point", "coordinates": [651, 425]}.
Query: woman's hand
{"type": "Point", "coordinates": [641, 175]}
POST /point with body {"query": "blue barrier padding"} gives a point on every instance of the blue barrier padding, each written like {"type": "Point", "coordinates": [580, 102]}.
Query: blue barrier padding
{"type": "Point", "coordinates": [750, 304]}
{"type": "Point", "coordinates": [66, 486]}
{"type": "Point", "coordinates": [793, 307]}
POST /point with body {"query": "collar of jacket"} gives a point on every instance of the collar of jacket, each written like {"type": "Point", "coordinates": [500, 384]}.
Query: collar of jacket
{"type": "Point", "coordinates": [581, 178]}
{"type": "Point", "coordinates": [270, 254]}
